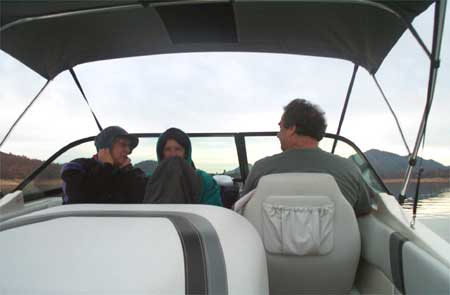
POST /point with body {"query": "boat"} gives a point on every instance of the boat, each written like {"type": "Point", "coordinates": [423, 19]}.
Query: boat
{"type": "Point", "coordinates": [47, 247]}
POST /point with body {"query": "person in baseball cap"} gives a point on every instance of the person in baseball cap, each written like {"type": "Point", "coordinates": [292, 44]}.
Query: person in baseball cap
{"type": "Point", "coordinates": [107, 177]}
{"type": "Point", "coordinates": [106, 137]}
{"type": "Point", "coordinates": [113, 146]}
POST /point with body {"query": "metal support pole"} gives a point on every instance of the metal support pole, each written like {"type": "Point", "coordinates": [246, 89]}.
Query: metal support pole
{"type": "Point", "coordinates": [77, 82]}
{"type": "Point", "coordinates": [393, 114]}
{"type": "Point", "coordinates": [412, 160]}
{"type": "Point", "coordinates": [23, 113]}
{"type": "Point", "coordinates": [439, 17]}
{"type": "Point", "coordinates": [344, 109]}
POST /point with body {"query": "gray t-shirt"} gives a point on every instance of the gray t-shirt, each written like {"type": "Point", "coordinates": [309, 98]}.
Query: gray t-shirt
{"type": "Point", "coordinates": [344, 171]}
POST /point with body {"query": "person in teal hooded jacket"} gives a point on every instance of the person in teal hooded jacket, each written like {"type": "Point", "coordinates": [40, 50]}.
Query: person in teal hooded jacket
{"type": "Point", "coordinates": [175, 143]}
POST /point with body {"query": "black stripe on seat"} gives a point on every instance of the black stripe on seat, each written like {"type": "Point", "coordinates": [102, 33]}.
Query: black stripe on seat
{"type": "Point", "coordinates": [205, 271]}
{"type": "Point", "coordinates": [194, 256]}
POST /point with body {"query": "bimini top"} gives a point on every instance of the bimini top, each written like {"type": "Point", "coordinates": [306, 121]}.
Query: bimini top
{"type": "Point", "coordinates": [53, 36]}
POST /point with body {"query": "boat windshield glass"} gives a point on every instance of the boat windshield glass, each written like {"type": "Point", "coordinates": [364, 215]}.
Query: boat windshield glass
{"type": "Point", "coordinates": [263, 146]}
{"type": "Point", "coordinates": [195, 92]}
{"type": "Point", "coordinates": [215, 155]}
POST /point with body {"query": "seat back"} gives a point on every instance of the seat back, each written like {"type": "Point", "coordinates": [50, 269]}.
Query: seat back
{"type": "Point", "coordinates": [310, 233]}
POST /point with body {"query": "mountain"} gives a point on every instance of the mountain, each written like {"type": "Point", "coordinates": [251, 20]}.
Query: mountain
{"type": "Point", "coordinates": [19, 167]}
{"type": "Point", "coordinates": [390, 165]}
{"type": "Point", "coordinates": [236, 172]}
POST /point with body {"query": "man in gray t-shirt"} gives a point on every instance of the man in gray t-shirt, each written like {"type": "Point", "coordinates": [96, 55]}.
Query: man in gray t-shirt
{"type": "Point", "coordinates": [302, 126]}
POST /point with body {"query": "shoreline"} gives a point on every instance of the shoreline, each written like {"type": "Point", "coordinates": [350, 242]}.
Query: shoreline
{"type": "Point", "coordinates": [9, 184]}
{"type": "Point", "coordinates": [9, 181]}
{"type": "Point", "coordinates": [440, 180]}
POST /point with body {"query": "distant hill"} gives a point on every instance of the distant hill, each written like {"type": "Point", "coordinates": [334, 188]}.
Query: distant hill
{"type": "Point", "coordinates": [387, 165]}
{"type": "Point", "coordinates": [390, 165]}
{"type": "Point", "coordinates": [236, 172]}
{"type": "Point", "coordinates": [19, 167]}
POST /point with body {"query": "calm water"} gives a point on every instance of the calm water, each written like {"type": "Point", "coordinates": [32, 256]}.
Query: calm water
{"type": "Point", "coordinates": [434, 212]}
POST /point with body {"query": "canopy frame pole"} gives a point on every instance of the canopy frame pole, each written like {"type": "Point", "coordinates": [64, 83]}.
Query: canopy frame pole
{"type": "Point", "coordinates": [344, 109]}
{"type": "Point", "coordinates": [419, 40]}
{"type": "Point", "coordinates": [393, 113]}
{"type": "Point", "coordinates": [74, 76]}
{"type": "Point", "coordinates": [408, 25]}
{"type": "Point", "coordinates": [23, 113]}
{"type": "Point", "coordinates": [439, 17]}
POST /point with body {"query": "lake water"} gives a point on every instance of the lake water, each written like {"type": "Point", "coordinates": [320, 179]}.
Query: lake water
{"type": "Point", "coordinates": [434, 212]}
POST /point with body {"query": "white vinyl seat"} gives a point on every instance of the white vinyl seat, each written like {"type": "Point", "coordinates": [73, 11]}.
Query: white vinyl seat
{"type": "Point", "coordinates": [309, 231]}
{"type": "Point", "coordinates": [131, 249]}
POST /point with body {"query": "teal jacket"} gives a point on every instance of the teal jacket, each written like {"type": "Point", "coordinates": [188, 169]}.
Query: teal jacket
{"type": "Point", "coordinates": [210, 189]}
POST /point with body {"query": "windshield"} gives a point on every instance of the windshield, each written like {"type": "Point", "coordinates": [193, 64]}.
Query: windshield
{"type": "Point", "coordinates": [222, 92]}
{"type": "Point", "coordinates": [213, 154]}
{"type": "Point", "coordinates": [344, 148]}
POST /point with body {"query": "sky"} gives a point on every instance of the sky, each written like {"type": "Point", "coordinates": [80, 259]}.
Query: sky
{"type": "Point", "coordinates": [230, 92]}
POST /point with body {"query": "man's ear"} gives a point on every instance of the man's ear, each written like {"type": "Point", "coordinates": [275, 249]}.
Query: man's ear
{"type": "Point", "coordinates": [291, 130]}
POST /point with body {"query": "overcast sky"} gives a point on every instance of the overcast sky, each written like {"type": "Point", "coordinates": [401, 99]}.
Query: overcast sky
{"type": "Point", "coordinates": [229, 92]}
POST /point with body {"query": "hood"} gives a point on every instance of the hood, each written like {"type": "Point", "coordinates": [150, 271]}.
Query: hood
{"type": "Point", "coordinates": [180, 137]}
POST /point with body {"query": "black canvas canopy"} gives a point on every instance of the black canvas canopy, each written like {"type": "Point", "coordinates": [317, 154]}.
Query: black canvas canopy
{"type": "Point", "coordinates": [53, 36]}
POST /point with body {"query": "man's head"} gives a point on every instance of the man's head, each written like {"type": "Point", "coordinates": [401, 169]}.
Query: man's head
{"type": "Point", "coordinates": [119, 143]}
{"type": "Point", "coordinates": [302, 124]}
{"type": "Point", "coordinates": [119, 151]}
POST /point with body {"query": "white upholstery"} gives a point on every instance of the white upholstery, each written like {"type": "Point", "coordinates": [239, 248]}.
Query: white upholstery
{"type": "Point", "coordinates": [223, 180]}
{"type": "Point", "coordinates": [127, 249]}
{"type": "Point", "coordinates": [326, 265]}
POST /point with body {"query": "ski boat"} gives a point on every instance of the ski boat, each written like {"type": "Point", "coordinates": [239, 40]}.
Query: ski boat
{"type": "Point", "coordinates": [199, 249]}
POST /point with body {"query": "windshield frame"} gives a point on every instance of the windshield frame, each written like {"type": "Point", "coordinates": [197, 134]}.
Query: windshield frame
{"type": "Point", "coordinates": [239, 138]}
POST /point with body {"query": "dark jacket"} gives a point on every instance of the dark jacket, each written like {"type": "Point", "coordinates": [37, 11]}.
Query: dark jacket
{"type": "Point", "coordinates": [173, 182]}
{"type": "Point", "coordinates": [90, 181]}
{"type": "Point", "coordinates": [210, 192]}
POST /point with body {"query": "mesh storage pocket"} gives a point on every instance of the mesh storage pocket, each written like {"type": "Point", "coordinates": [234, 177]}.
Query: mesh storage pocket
{"type": "Point", "coordinates": [298, 225]}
